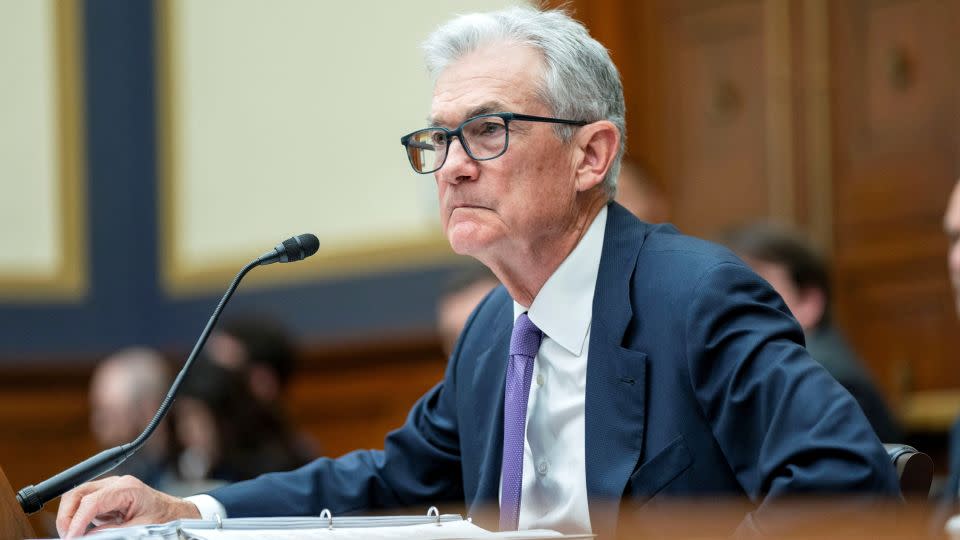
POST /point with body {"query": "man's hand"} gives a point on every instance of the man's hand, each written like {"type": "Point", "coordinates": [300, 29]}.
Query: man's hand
{"type": "Point", "coordinates": [116, 501]}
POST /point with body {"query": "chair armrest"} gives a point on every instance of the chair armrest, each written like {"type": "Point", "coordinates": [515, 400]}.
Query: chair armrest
{"type": "Point", "coordinates": [914, 470]}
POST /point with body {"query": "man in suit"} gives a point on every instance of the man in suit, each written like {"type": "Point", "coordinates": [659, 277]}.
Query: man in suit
{"type": "Point", "coordinates": [618, 360]}
{"type": "Point", "coordinates": [799, 274]}
{"type": "Point", "coordinates": [126, 390]}
{"type": "Point", "coordinates": [951, 226]}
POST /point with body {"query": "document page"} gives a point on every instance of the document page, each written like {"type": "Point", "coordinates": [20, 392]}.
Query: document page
{"type": "Point", "coordinates": [430, 531]}
{"type": "Point", "coordinates": [447, 530]}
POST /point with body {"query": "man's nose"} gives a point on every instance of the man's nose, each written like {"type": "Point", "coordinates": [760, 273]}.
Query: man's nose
{"type": "Point", "coordinates": [459, 166]}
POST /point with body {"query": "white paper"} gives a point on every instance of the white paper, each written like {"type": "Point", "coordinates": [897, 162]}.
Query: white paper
{"type": "Point", "coordinates": [430, 531]}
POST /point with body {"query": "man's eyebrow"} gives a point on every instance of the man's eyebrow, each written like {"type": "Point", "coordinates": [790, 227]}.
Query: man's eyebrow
{"type": "Point", "coordinates": [484, 108]}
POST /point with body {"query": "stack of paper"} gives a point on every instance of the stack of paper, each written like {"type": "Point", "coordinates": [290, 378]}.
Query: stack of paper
{"type": "Point", "coordinates": [431, 527]}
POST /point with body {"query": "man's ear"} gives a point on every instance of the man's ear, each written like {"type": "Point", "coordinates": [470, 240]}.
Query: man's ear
{"type": "Point", "coordinates": [597, 145]}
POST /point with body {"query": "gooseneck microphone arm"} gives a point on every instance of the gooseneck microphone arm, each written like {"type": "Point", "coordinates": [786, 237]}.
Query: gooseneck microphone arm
{"type": "Point", "coordinates": [32, 498]}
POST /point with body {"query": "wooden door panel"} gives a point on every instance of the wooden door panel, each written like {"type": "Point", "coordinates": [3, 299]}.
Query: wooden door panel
{"type": "Point", "coordinates": [895, 96]}
{"type": "Point", "coordinates": [715, 121]}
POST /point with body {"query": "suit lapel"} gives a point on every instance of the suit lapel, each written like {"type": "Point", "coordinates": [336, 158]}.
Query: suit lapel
{"type": "Point", "coordinates": [489, 381]}
{"type": "Point", "coordinates": [615, 406]}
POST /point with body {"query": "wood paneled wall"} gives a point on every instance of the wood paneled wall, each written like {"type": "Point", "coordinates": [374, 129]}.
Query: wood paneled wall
{"type": "Point", "coordinates": [896, 113]}
{"type": "Point", "coordinates": [842, 118]}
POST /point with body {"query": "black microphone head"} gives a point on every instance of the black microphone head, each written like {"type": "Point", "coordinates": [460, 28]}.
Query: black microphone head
{"type": "Point", "coordinates": [299, 247]}
{"type": "Point", "coordinates": [292, 249]}
{"type": "Point", "coordinates": [310, 244]}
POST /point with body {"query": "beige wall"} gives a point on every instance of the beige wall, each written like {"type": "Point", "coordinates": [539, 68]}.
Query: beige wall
{"type": "Point", "coordinates": [29, 206]}
{"type": "Point", "coordinates": [282, 118]}
{"type": "Point", "coordinates": [42, 216]}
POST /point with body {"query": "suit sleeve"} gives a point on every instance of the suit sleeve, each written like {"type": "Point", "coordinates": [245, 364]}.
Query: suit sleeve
{"type": "Point", "coordinates": [785, 426]}
{"type": "Point", "coordinates": [420, 463]}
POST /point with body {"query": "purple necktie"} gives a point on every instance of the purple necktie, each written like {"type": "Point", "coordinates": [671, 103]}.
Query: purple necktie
{"type": "Point", "coordinates": [524, 344]}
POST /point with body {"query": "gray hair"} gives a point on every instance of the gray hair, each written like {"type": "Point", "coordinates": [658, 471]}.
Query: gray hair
{"type": "Point", "coordinates": [579, 81]}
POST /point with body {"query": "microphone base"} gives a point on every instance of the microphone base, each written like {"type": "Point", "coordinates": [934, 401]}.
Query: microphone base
{"type": "Point", "coordinates": [29, 500]}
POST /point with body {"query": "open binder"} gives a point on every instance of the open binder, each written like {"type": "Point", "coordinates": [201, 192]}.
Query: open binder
{"type": "Point", "coordinates": [432, 526]}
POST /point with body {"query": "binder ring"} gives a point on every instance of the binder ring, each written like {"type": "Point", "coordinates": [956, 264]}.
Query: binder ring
{"type": "Point", "coordinates": [219, 521]}
{"type": "Point", "coordinates": [435, 513]}
{"type": "Point", "coordinates": [325, 513]}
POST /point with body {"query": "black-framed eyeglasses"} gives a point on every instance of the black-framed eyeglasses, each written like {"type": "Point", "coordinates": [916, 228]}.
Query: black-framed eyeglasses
{"type": "Point", "coordinates": [483, 137]}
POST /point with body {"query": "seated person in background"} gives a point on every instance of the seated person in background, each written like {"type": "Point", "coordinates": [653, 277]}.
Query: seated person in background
{"type": "Point", "coordinates": [459, 298]}
{"type": "Point", "coordinates": [951, 226]}
{"type": "Point", "coordinates": [801, 277]}
{"type": "Point", "coordinates": [258, 347]}
{"type": "Point", "coordinates": [641, 195]}
{"type": "Point", "coordinates": [226, 434]}
{"type": "Point", "coordinates": [126, 390]}
{"type": "Point", "coordinates": [262, 352]}
{"type": "Point", "coordinates": [618, 363]}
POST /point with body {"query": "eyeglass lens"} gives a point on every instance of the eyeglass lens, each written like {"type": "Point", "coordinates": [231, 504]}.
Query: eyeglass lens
{"type": "Point", "coordinates": [484, 137]}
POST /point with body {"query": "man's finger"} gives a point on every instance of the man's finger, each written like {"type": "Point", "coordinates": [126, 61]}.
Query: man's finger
{"type": "Point", "coordinates": [103, 501]}
{"type": "Point", "coordinates": [83, 515]}
{"type": "Point", "coordinates": [110, 518]}
{"type": "Point", "coordinates": [98, 526]}
{"type": "Point", "coordinates": [70, 501]}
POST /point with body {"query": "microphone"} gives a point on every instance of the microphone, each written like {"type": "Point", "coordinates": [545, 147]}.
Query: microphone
{"type": "Point", "coordinates": [292, 249]}
{"type": "Point", "coordinates": [32, 498]}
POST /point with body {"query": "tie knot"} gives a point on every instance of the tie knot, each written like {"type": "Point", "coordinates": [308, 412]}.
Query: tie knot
{"type": "Point", "coordinates": [526, 337]}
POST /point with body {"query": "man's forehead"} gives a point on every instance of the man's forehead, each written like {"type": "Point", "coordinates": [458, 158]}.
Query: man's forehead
{"type": "Point", "coordinates": [498, 77]}
{"type": "Point", "coordinates": [450, 117]}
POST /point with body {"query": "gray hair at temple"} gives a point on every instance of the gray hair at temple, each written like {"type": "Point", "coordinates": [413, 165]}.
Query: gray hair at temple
{"type": "Point", "coordinates": [580, 82]}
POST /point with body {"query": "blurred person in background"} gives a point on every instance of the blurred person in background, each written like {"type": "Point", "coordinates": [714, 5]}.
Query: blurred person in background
{"type": "Point", "coordinates": [951, 226]}
{"type": "Point", "coordinates": [262, 352]}
{"type": "Point", "coordinates": [226, 434]}
{"type": "Point", "coordinates": [126, 390]}
{"type": "Point", "coordinates": [458, 299]}
{"type": "Point", "coordinates": [258, 347]}
{"type": "Point", "coordinates": [641, 195]}
{"type": "Point", "coordinates": [799, 274]}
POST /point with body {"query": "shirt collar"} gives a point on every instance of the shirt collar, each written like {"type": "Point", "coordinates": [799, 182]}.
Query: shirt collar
{"type": "Point", "coordinates": [563, 308]}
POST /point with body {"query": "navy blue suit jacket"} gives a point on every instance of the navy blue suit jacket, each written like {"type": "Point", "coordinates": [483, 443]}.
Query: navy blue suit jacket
{"type": "Point", "coordinates": [697, 384]}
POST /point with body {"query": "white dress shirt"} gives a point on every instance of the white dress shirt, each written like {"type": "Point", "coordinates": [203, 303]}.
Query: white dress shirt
{"type": "Point", "coordinates": [208, 506]}
{"type": "Point", "coordinates": [554, 490]}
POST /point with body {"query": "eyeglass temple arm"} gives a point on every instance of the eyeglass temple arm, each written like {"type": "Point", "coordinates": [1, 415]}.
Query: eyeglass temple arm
{"type": "Point", "coordinates": [518, 116]}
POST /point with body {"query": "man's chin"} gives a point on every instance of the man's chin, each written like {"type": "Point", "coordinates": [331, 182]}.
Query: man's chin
{"type": "Point", "coordinates": [474, 237]}
{"type": "Point", "coordinates": [467, 243]}
{"type": "Point", "coordinates": [464, 247]}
